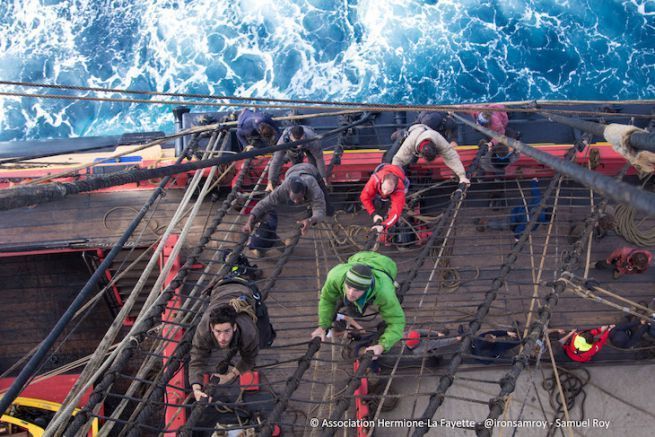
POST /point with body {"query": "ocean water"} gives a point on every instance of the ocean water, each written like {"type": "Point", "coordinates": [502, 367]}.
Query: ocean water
{"type": "Point", "coordinates": [377, 51]}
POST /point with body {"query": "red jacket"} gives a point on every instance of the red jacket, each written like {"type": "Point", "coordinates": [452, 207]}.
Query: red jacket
{"type": "Point", "coordinates": [397, 198]}
{"type": "Point", "coordinates": [583, 357]}
{"type": "Point", "coordinates": [621, 259]}
{"type": "Point", "coordinates": [499, 119]}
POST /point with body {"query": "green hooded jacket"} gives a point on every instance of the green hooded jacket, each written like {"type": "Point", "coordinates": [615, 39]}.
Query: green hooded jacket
{"type": "Point", "coordinates": [383, 295]}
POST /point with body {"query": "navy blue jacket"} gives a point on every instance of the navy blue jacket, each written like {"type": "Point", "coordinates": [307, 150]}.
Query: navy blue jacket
{"type": "Point", "coordinates": [248, 125]}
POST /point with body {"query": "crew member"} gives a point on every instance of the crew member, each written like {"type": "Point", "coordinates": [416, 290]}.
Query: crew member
{"type": "Point", "coordinates": [295, 155]}
{"type": "Point", "coordinates": [221, 334]}
{"type": "Point", "coordinates": [384, 193]}
{"type": "Point", "coordinates": [423, 142]}
{"type": "Point", "coordinates": [300, 186]}
{"type": "Point", "coordinates": [257, 129]}
{"type": "Point", "coordinates": [626, 261]}
{"type": "Point", "coordinates": [364, 289]}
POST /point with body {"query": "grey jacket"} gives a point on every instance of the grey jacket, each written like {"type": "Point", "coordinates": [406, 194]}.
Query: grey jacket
{"type": "Point", "coordinates": [313, 148]}
{"type": "Point", "coordinates": [408, 152]}
{"type": "Point", "coordinates": [245, 340]}
{"type": "Point", "coordinates": [280, 196]}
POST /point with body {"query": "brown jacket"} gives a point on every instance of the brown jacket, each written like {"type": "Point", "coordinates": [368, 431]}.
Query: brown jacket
{"type": "Point", "coordinates": [245, 340]}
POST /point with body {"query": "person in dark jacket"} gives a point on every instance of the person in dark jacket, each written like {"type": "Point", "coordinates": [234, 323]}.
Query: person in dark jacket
{"type": "Point", "coordinates": [493, 344]}
{"type": "Point", "coordinates": [440, 122]}
{"type": "Point", "coordinates": [497, 159]}
{"type": "Point", "coordinates": [313, 150]}
{"type": "Point", "coordinates": [257, 129]}
{"type": "Point", "coordinates": [221, 334]}
{"type": "Point", "coordinates": [301, 186]}
{"type": "Point", "coordinates": [629, 331]}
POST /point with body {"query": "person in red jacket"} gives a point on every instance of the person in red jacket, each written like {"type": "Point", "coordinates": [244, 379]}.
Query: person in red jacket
{"type": "Point", "coordinates": [626, 261]}
{"type": "Point", "coordinates": [385, 192]}
{"type": "Point", "coordinates": [582, 346]}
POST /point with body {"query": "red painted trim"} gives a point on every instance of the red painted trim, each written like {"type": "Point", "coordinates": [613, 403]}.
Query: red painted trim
{"type": "Point", "coordinates": [53, 389]}
{"type": "Point", "coordinates": [174, 418]}
{"type": "Point", "coordinates": [109, 277]}
{"type": "Point", "coordinates": [361, 407]}
{"type": "Point", "coordinates": [356, 166]}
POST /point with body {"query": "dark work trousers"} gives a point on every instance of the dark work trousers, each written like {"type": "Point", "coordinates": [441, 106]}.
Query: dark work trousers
{"type": "Point", "coordinates": [266, 234]}
{"type": "Point", "coordinates": [628, 333]}
{"type": "Point", "coordinates": [391, 152]}
{"type": "Point", "coordinates": [482, 347]}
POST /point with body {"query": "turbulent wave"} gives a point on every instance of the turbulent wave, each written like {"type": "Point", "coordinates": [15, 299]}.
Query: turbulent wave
{"type": "Point", "coordinates": [378, 51]}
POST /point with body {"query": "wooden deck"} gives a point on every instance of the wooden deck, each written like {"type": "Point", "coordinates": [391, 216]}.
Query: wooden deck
{"type": "Point", "coordinates": [41, 289]}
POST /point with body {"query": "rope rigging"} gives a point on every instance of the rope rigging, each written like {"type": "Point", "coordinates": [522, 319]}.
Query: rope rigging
{"type": "Point", "coordinates": [538, 326]}
{"type": "Point", "coordinates": [336, 241]}
{"type": "Point", "coordinates": [531, 106]}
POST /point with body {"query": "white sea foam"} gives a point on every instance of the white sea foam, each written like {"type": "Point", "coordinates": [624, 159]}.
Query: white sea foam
{"type": "Point", "coordinates": [392, 51]}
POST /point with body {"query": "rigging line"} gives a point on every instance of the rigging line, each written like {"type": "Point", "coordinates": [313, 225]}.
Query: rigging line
{"type": "Point", "coordinates": [139, 328]}
{"type": "Point", "coordinates": [195, 130]}
{"type": "Point", "coordinates": [618, 191]}
{"type": "Point", "coordinates": [508, 382]}
{"type": "Point", "coordinates": [358, 108]}
{"type": "Point", "coordinates": [172, 256]}
{"type": "Point", "coordinates": [445, 381]}
{"type": "Point", "coordinates": [586, 293]}
{"type": "Point", "coordinates": [77, 303]}
{"type": "Point", "coordinates": [266, 99]}
{"type": "Point", "coordinates": [559, 386]}
{"type": "Point", "coordinates": [591, 234]}
{"type": "Point", "coordinates": [230, 202]}
{"type": "Point", "coordinates": [318, 288]}
{"type": "Point", "coordinates": [198, 407]}
{"type": "Point", "coordinates": [6, 161]}
{"type": "Point", "coordinates": [592, 285]}
{"type": "Point", "coordinates": [536, 280]}
{"type": "Point", "coordinates": [113, 331]}
{"type": "Point", "coordinates": [25, 196]}
{"type": "Point", "coordinates": [451, 213]}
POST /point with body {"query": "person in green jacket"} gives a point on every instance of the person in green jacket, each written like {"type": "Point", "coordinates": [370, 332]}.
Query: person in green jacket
{"type": "Point", "coordinates": [361, 288]}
